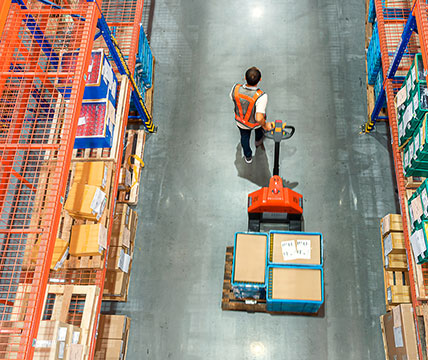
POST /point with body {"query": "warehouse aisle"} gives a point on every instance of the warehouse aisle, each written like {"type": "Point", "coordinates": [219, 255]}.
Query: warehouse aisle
{"type": "Point", "coordinates": [195, 183]}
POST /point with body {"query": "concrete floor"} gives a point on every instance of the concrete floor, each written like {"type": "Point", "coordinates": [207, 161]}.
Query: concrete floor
{"type": "Point", "coordinates": [195, 183]}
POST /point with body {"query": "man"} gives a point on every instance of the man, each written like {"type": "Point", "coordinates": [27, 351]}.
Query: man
{"type": "Point", "coordinates": [250, 110]}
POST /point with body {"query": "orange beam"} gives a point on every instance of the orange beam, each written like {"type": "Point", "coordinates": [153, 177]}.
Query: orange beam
{"type": "Point", "coordinates": [4, 10]}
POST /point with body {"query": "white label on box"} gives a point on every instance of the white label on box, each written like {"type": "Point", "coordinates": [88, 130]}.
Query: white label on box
{"type": "Point", "coordinates": [418, 243]}
{"type": "Point", "coordinates": [124, 261]}
{"type": "Point", "coordinates": [398, 337]}
{"type": "Point", "coordinates": [396, 313]}
{"type": "Point", "coordinates": [417, 142]}
{"type": "Point", "coordinates": [42, 344]}
{"type": "Point", "coordinates": [409, 86]}
{"type": "Point", "coordinates": [62, 333]}
{"type": "Point", "coordinates": [61, 350]}
{"type": "Point", "coordinates": [128, 178]}
{"type": "Point", "coordinates": [97, 202]}
{"type": "Point", "coordinates": [289, 251]}
{"type": "Point", "coordinates": [104, 182]}
{"type": "Point", "coordinates": [415, 101]}
{"type": "Point", "coordinates": [387, 245]}
{"type": "Point", "coordinates": [81, 121]}
{"type": "Point", "coordinates": [76, 337]}
{"type": "Point", "coordinates": [304, 249]}
{"type": "Point", "coordinates": [389, 294]}
{"type": "Point", "coordinates": [102, 237]}
{"type": "Point", "coordinates": [386, 261]}
{"type": "Point", "coordinates": [400, 98]}
{"type": "Point", "coordinates": [413, 75]}
{"type": "Point", "coordinates": [126, 240]}
{"type": "Point", "coordinates": [416, 208]}
{"type": "Point", "coordinates": [59, 264]}
{"type": "Point", "coordinates": [424, 199]}
{"type": "Point", "coordinates": [407, 117]}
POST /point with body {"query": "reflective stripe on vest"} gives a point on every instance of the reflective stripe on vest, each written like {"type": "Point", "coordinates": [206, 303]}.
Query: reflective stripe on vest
{"type": "Point", "coordinates": [245, 111]}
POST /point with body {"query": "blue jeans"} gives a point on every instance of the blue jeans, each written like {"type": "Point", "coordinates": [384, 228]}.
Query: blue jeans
{"type": "Point", "coordinates": [245, 139]}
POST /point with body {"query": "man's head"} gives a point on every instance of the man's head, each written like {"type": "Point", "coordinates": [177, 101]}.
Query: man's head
{"type": "Point", "coordinates": [253, 76]}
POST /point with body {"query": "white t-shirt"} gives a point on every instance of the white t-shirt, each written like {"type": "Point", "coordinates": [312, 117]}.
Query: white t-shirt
{"type": "Point", "coordinates": [261, 104]}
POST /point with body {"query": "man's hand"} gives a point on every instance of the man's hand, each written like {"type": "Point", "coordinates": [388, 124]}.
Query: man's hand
{"type": "Point", "coordinates": [268, 126]}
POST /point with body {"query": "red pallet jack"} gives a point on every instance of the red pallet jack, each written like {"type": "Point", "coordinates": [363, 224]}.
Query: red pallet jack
{"type": "Point", "coordinates": [276, 204]}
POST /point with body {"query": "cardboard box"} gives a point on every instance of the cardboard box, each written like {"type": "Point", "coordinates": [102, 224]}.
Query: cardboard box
{"type": "Point", "coordinates": [124, 224]}
{"type": "Point", "coordinates": [91, 173]}
{"type": "Point", "coordinates": [109, 349]}
{"type": "Point", "coordinates": [296, 284]}
{"type": "Point", "coordinates": [391, 222]}
{"type": "Point", "coordinates": [396, 262]}
{"type": "Point", "coordinates": [394, 244]}
{"type": "Point", "coordinates": [113, 327]}
{"type": "Point", "coordinates": [85, 201]}
{"type": "Point", "coordinates": [400, 333]}
{"type": "Point", "coordinates": [59, 254]}
{"type": "Point", "coordinates": [55, 340]}
{"type": "Point", "coordinates": [116, 284]}
{"type": "Point", "coordinates": [250, 258]}
{"type": "Point", "coordinates": [88, 239]}
{"type": "Point", "coordinates": [119, 259]}
{"type": "Point", "coordinates": [398, 294]}
{"type": "Point", "coordinates": [277, 251]}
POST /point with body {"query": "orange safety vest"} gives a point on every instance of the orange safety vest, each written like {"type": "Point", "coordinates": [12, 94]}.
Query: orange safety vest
{"type": "Point", "coordinates": [245, 100]}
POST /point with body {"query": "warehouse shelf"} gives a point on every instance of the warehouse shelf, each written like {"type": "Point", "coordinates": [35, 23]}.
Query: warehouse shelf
{"type": "Point", "coordinates": [401, 37]}
{"type": "Point", "coordinates": [37, 131]}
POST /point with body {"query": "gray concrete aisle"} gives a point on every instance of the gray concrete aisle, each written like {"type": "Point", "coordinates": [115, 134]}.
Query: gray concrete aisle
{"type": "Point", "coordinates": [195, 183]}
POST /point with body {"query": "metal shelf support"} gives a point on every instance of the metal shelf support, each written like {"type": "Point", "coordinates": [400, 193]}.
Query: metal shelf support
{"type": "Point", "coordinates": [398, 55]}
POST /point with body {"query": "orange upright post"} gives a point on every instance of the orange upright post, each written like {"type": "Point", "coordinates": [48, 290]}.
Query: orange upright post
{"type": "Point", "coordinates": [4, 10]}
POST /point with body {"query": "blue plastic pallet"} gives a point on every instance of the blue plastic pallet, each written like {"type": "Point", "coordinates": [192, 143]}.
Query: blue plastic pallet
{"type": "Point", "coordinates": [292, 305]}
{"type": "Point", "coordinates": [270, 242]}
{"type": "Point", "coordinates": [374, 62]}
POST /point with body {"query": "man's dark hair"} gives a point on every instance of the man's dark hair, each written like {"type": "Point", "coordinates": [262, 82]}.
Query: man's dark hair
{"type": "Point", "coordinates": [253, 76]}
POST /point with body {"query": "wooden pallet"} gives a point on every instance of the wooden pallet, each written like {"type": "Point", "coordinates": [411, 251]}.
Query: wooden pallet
{"type": "Point", "coordinates": [63, 310]}
{"type": "Point", "coordinates": [129, 183]}
{"type": "Point", "coordinates": [368, 26]}
{"type": "Point", "coordinates": [109, 154]}
{"type": "Point", "coordinates": [230, 303]}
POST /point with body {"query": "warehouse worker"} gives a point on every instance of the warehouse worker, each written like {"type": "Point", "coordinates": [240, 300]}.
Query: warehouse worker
{"type": "Point", "coordinates": [250, 111]}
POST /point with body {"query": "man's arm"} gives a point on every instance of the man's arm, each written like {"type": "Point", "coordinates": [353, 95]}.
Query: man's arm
{"type": "Point", "coordinates": [261, 119]}
{"type": "Point", "coordinates": [261, 104]}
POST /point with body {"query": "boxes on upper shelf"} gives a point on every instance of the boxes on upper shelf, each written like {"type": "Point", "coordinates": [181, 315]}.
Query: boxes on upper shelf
{"type": "Point", "coordinates": [85, 201]}
{"type": "Point", "coordinates": [96, 124]}
{"type": "Point", "coordinates": [249, 265]}
{"type": "Point", "coordinates": [88, 239]}
{"type": "Point", "coordinates": [294, 289]}
{"type": "Point", "coordinates": [295, 248]}
{"type": "Point", "coordinates": [101, 81]}
{"type": "Point", "coordinates": [391, 222]}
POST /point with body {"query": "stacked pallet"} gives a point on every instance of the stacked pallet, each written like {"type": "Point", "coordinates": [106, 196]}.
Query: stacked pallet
{"type": "Point", "coordinates": [112, 340]}
{"type": "Point", "coordinates": [119, 259]}
{"type": "Point", "coordinates": [395, 267]}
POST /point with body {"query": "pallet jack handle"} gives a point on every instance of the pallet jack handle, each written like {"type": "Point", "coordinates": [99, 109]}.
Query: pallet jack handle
{"type": "Point", "coordinates": [281, 131]}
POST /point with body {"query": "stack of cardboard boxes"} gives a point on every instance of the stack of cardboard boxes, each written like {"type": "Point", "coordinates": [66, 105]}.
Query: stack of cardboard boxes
{"type": "Point", "coordinates": [112, 340]}
{"type": "Point", "coordinates": [396, 275]}
{"type": "Point", "coordinates": [119, 259]}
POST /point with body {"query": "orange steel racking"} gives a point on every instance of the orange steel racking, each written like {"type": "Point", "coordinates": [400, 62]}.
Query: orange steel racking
{"type": "Point", "coordinates": [37, 132]}
{"type": "Point", "coordinates": [390, 31]}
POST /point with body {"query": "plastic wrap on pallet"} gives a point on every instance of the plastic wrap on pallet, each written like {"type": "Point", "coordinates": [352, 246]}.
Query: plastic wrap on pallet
{"type": "Point", "coordinates": [373, 56]}
{"type": "Point", "coordinates": [379, 85]}
{"type": "Point", "coordinates": [372, 12]}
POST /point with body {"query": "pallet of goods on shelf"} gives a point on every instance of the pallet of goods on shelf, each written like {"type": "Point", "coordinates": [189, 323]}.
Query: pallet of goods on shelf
{"type": "Point", "coordinates": [399, 333]}
{"type": "Point", "coordinates": [113, 335]}
{"type": "Point", "coordinates": [394, 258]}
{"type": "Point", "coordinates": [119, 261]}
{"type": "Point", "coordinates": [132, 166]}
